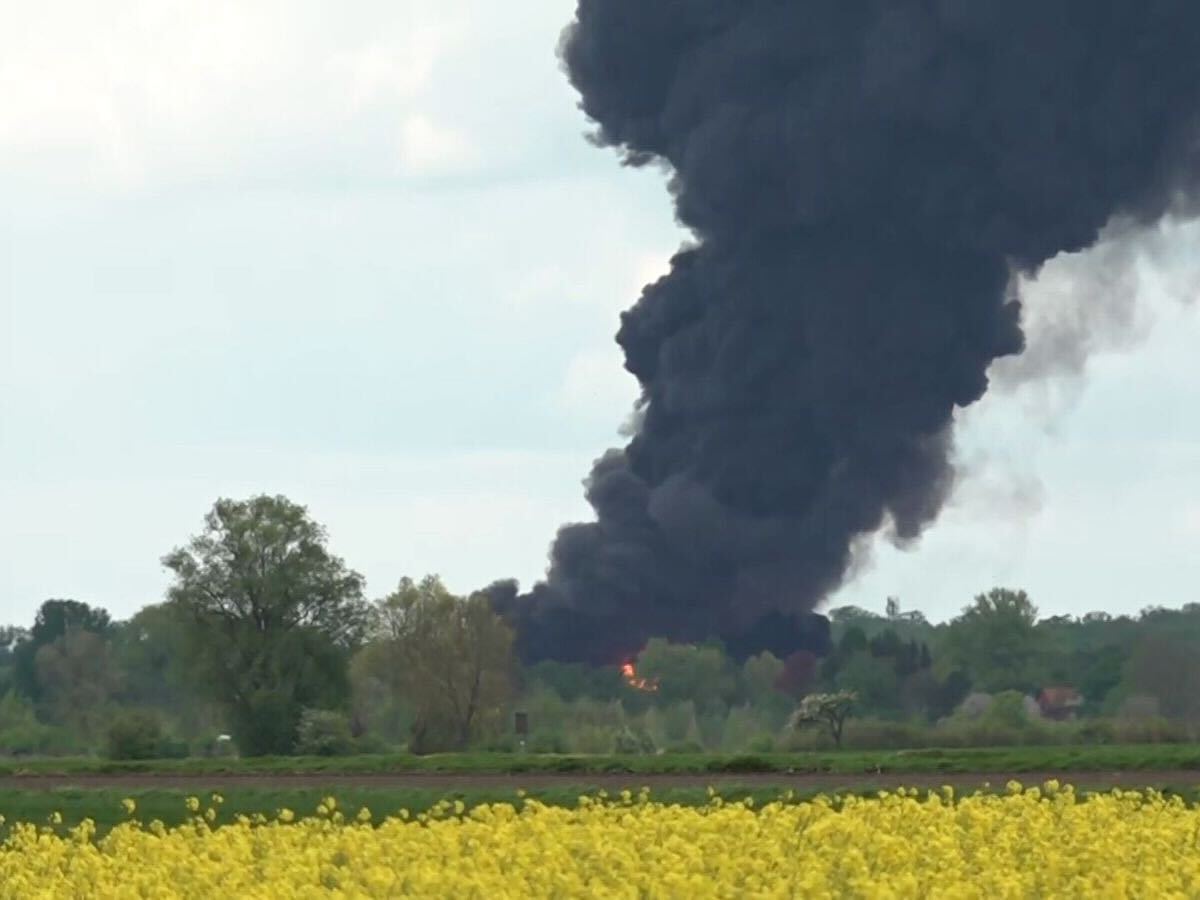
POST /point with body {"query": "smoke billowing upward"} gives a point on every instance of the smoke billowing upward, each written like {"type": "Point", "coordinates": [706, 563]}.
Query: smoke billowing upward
{"type": "Point", "coordinates": [864, 179]}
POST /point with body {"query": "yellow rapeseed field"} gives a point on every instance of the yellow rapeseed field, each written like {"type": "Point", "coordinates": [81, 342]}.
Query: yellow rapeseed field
{"type": "Point", "coordinates": [1039, 842]}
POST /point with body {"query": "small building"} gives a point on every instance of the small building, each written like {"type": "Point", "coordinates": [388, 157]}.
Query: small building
{"type": "Point", "coordinates": [1059, 703]}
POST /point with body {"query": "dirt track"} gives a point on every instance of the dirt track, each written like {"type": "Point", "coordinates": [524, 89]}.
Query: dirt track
{"type": "Point", "coordinates": [452, 783]}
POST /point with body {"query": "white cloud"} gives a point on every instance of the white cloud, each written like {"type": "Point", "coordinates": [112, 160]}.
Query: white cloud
{"type": "Point", "coordinates": [378, 73]}
{"type": "Point", "coordinates": [1189, 522]}
{"type": "Point", "coordinates": [427, 148]}
{"type": "Point", "coordinates": [133, 92]}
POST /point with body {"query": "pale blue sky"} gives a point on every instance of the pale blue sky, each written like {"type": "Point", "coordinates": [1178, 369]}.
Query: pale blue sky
{"type": "Point", "coordinates": [367, 260]}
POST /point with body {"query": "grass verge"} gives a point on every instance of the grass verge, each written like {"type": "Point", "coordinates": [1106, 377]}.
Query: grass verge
{"type": "Point", "coordinates": [974, 760]}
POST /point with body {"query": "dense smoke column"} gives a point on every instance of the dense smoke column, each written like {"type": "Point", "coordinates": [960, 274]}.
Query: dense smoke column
{"type": "Point", "coordinates": [863, 179]}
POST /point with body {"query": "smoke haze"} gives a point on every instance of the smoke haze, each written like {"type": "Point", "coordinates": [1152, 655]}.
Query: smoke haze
{"type": "Point", "coordinates": [868, 183]}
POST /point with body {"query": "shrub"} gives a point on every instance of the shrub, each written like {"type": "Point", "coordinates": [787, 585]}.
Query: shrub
{"type": "Point", "coordinates": [547, 741]}
{"type": "Point", "coordinates": [629, 741]}
{"type": "Point", "coordinates": [136, 734]}
{"type": "Point", "coordinates": [371, 743]}
{"type": "Point", "coordinates": [1007, 709]}
{"type": "Point", "coordinates": [324, 732]}
{"type": "Point", "coordinates": [36, 739]}
{"type": "Point", "coordinates": [1154, 730]}
{"type": "Point", "coordinates": [266, 725]}
{"type": "Point", "coordinates": [21, 734]}
{"type": "Point", "coordinates": [497, 743]}
{"type": "Point", "coordinates": [591, 739]}
{"type": "Point", "coordinates": [1096, 731]}
{"type": "Point", "coordinates": [761, 743]}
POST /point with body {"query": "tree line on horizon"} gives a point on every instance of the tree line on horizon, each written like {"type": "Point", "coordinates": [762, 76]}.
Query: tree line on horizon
{"type": "Point", "coordinates": [265, 637]}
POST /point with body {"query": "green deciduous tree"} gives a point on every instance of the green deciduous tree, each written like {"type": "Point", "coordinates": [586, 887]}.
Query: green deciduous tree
{"type": "Point", "coordinates": [760, 674]}
{"type": "Point", "coordinates": [77, 680]}
{"type": "Point", "coordinates": [273, 617]}
{"type": "Point", "coordinates": [996, 643]}
{"type": "Point", "coordinates": [449, 657]}
{"type": "Point", "coordinates": [872, 680]}
{"type": "Point", "coordinates": [700, 673]}
{"type": "Point", "coordinates": [1167, 669]}
{"type": "Point", "coordinates": [54, 618]}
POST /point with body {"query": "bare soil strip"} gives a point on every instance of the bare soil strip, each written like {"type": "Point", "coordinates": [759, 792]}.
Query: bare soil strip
{"type": "Point", "coordinates": [808, 782]}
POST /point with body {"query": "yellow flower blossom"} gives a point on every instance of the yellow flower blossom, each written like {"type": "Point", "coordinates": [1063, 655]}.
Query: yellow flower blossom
{"type": "Point", "coordinates": [1022, 842]}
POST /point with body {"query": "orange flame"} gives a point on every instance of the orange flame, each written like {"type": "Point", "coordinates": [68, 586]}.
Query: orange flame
{"type": "Point", "coordinates": [629, 673]}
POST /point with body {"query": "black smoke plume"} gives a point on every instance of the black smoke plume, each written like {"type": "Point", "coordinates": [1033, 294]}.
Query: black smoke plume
{"type": "Point", "coordinates": [864, 180]}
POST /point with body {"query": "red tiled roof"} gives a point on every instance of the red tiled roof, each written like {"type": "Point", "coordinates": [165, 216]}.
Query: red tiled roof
{"type": "Point", "coordinates": [1059, 697]}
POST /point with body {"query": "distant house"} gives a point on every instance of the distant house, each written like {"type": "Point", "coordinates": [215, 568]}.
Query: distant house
{"type": "Point", "coordinates": [1059, 703]}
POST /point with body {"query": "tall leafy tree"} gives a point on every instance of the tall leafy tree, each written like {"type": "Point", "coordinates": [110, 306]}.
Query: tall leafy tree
{"type": "Point", "coordinates": [53, 620]}
{"type": "Point", "coordinates": [148, 648]}
{"type": "Point", "coordinates": [272, 617]}
{"type": "Point", "coordinates": [996, 643]}
{"type": "Point", "coordinates": [873, 680]}
{"type": "Point", "coordinates": [77, 680]}
{"type": "Point", "coordinates": [151, 652]}
{"type": "Point", "coordinates": [449, 657]}
{"type": "Point", "coordinates": [700, 673]}
{"type": "Point", "coordinates": [1167, 669]}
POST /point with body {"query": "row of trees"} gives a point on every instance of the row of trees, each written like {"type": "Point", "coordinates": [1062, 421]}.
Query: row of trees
{"type": "Point", "coordinates": [999, 644]}
{"type": "Point", "coordinates": [262, 625]}
{"type": "Point", "coordinates": [267, 635]}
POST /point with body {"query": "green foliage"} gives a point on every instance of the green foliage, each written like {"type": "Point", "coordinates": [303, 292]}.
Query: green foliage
{"type": "Point", "coordinates": [547, 741]}
{"type": "Point", "coordinates": [1166, 668]}
{"type": "Point", "coordinates": [272, 617]}
{"type": "Point", "coordinates": [378, 710]}
{"type": "Point", "coordinates": [324, 732]}
{"type": "Point", "coordinates": [449, 657]}
{"type": "Point", "coordinates": [628, 740]}
{"type": "Point", "coordinates": [137, 734]}
{"type": "Point", "coordinates": [853, 641]}
{"type": "Point", "coordinates": [150, 651]}
{"type": "Point", "coordinates": [871, 679]}
{"type": "Point", "coordinates": [591, 739]}
{"type": "Point", "coordinates": [702, 674]}
{"type": "Point", "coordinates": [760, 674]}
{"type": "Point", "coordinates": [744, 726]}
{"type": "Point", "coordinates": [1061, 751]}
{"type": "Point", "coordinates": [21, 734]}
{"type": "Point", "coordinates": [996, 643]}
{"type": "Point", "coordinates": [1007, 710]}
{"type": "Point", "coordinates": [53, 620]}
{"type": "Point", "coordinates": [79, 672]}
{"type": "Point", "coordinates": [910, 625]}
{"type": "Point", "coordinates": [264, 722]}
{"type": "Point", "coordinates": [571, 681]}
{"type": "Point", "coordinates": [77, 680]}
